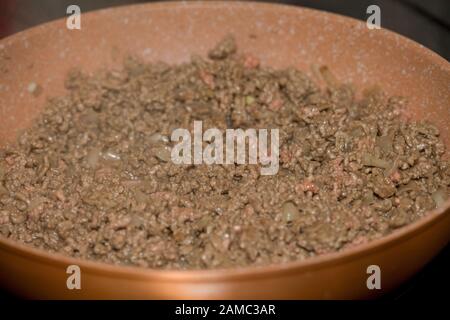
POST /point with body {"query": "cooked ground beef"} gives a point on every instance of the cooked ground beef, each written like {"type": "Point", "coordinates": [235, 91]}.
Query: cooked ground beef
{"type": "Point", "coordinates": [93, 178]}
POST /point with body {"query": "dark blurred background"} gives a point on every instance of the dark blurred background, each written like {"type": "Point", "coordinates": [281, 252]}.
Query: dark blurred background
{"type": "Point", "coordinates": [427, 22]}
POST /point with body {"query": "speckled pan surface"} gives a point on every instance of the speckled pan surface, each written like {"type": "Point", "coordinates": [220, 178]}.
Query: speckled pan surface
{"type": "Point", "coordinates": [280, 36]}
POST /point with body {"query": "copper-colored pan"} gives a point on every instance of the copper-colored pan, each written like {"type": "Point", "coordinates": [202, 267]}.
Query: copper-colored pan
{"type": "Point", "coordinates": [281, 36]}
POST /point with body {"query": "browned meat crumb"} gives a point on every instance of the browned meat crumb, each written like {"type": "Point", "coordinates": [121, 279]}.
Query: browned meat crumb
{"type": "Point", "coordinates": [93, 178]}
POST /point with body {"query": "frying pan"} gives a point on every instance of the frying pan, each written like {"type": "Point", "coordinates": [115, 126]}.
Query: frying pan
{"type": "Point", "coordinates": [281, 36]}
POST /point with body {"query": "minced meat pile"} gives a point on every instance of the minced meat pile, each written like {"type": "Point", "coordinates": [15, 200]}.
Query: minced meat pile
{"type": "Point", "coordinates": [93, 178]}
